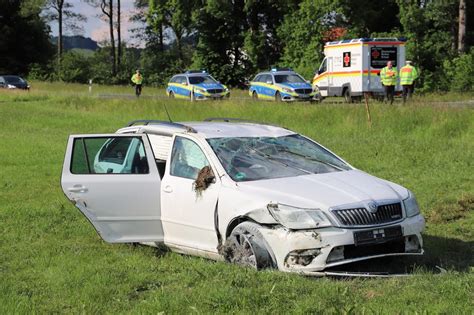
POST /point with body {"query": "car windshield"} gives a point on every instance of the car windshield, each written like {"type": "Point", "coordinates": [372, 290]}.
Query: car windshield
{"type": "Point", "coordinates": [201, 79]}
{"type": "Point", "coordinates": [256, 158]}
{"type": "Point", "coordinates": [12, 79]}
{"type": "Point", "coordinates": [288, 78]}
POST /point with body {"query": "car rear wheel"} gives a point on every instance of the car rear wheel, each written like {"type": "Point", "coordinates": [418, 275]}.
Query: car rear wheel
{"type": "Point", "coordinates": [347, 95]}
{"type": "Point", "coordinates": [246, 247]}
{"type": "Point", "coordinates": [278, 97]}
{"type": "Point", "coordinates": [255, 96]}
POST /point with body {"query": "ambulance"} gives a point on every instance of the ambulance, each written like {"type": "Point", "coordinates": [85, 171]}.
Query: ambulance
{"type": "Point", "coordinates": [352, 67]}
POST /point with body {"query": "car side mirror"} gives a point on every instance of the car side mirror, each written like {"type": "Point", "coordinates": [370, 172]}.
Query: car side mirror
{"type": "Point", "coordinates": [204, 179]}
{"type": "Point", "coordinates": [320, 71]}
{"type": "Point", "coordinates": [269, 82]}
{"type": "Point", "coordinates": [185, 83]}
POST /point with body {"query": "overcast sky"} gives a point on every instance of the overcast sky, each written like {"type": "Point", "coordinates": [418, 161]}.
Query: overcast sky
{"type": "Point", "coordinates": [98, 29]}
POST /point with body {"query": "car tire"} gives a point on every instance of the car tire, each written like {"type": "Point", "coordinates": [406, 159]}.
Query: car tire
{"type": "Point", "coordinates": [171, 94]}
{"type": "Point", "coordinates": [278, 97]}
{"type": "Point", "coordinates": [255, 96]}
{"type": "Point", "coordinates": [246, 247]}
{"type": "Point", "coordinates": [347, 95]}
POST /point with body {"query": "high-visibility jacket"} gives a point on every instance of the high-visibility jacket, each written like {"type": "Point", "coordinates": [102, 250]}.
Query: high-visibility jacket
{"type": "Point", "coordinates": [389, 76]}
{"type": "Point", "coordinates": [137, 78]}
{"type": "Point", "coordinates": [408, 74]}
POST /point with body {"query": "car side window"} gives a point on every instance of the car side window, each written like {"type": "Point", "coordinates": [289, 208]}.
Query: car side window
{"type": "Point", "coordinates": [174, 80]}
{"type": "Point", "coordinates": [187, 159]}
{"type": "Point", "coordinates": [257, 78]}
{"type": "Point", "coordinates": [182, 80]}
{"type": "Point", "coordinates": [267, 79]}
{"type": "Point", "coordinates": [105, 155]}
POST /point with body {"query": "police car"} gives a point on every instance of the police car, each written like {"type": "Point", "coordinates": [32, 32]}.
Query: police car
{"type": "Point", "coordinates": [197, 82]}
{"type": "Point", "coordinates": [282, 84]}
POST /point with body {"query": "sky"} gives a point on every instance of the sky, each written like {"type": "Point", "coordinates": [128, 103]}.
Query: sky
{"type": "Point", "coordinates": [98, 29]}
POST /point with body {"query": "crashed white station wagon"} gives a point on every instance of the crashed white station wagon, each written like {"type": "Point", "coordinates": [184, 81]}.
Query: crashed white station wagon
{"type": "Point", "coordinates": [248, 193]}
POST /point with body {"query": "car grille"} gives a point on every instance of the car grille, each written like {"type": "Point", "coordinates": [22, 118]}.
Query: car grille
{"type": "Point", "coordinates": [215, 91]}
{"type": "Point", "coordinates": [361, 216]}
{"type": "Point", "coordinates": [303, 91]}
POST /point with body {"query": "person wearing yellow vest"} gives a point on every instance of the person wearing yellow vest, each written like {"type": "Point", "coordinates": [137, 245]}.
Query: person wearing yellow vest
{"type": "Point", "coordinates": [389, 76]}
{"type": "Point", "coordinates": [408, 75]}
{"type": "Point", "coordinates": [137, 79]}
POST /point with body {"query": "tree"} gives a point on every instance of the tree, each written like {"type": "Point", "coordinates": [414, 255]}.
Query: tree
{"type": "Point", "coordinates": [107, 8]}
{"type": "Point", "coordinates": [24, 37]}
{"type": "Point", "coordinates": [304, 31]}
{"type": "Point", "coordinates": [462, 26]}
{"type": "Point", "coordinates": [119, 37]}
{"type": "Point", "coordinates": [60, 10]}
{"type": "Point", "coordinates": [221, 30]}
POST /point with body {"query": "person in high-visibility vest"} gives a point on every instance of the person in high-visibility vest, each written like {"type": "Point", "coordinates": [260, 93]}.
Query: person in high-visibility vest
{"type": "Point", "coordinates": [137, 79]}
{"type": "Point", "coordinates": [389, 76]}
{"type": "Point", "coordinates": [408, 75]}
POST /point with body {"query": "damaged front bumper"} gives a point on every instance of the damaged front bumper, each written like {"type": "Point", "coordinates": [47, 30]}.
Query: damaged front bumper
{"type": "Point", "coordinates": [310, 251]}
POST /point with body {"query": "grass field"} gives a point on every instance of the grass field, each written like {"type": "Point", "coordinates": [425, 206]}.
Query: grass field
{"type": "Point", "coordinates": [52, 261]}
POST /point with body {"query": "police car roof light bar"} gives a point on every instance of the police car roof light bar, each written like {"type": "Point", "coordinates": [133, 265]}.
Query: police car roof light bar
{"type": "Point", "coordinates": [274, 69]}
{"type": "Point", "coordinates": [196, 71]}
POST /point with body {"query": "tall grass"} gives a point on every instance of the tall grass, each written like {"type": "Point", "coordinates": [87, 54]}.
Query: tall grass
{"type": "Point", "coordinates": [51, 260]}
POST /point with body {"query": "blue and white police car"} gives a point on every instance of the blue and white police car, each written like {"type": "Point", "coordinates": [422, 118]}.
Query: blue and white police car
{"type": "Point", "coordinates": [282, 84]}
{"type": "Point", "coordinates": [197, 82]}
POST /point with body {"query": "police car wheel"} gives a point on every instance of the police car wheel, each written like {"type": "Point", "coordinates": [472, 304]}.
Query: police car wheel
{"type": "Point", "coordinates": [171, 95]}
{"type": "Point", "coordinates": [278, 97]}
{"type": "Point", "coordinates": [254, 96]}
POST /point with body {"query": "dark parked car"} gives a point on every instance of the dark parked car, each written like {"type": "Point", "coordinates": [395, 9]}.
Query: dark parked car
{"type": "Point", "coordinates": [13, 82]}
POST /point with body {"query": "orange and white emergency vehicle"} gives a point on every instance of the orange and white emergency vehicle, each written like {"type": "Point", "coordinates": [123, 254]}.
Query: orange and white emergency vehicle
{"type": "Point", "coordinates": [352, 67]}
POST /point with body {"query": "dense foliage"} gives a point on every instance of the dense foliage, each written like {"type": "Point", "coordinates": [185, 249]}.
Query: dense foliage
{"type": "Point", "coordinates": [236, 39]}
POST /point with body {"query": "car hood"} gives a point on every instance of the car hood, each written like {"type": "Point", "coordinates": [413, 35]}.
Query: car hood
{"type": "Point", "coordinates": [296, 85]}
{"type": "Point", "coordinates": [324, 191]}
{"type": "Point", "coordinates": [209, 86]}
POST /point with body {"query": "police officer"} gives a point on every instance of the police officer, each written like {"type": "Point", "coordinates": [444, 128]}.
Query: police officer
{"type": "Point", "coordinates": [137, 79]}
{"type": "Point", "coordinates": [389, 77]}
{"type": "Point", "coordinates": [408, 75]}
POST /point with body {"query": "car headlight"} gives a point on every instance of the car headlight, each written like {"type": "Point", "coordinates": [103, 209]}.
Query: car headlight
{"type": "Point", "coordinates": [287, 90]}
{"type": "Point", "coordinates": [411, 205]}
{"type": "Point", "coordinates": [199, 90]}
{"type": "Point", "coordinates": [298, 218]}
{"type": "Point", "coordinates": [11, 86]}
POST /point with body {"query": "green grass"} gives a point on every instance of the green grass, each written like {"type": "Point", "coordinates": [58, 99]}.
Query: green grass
{"type": "Point", "coordinates": [51, 259]}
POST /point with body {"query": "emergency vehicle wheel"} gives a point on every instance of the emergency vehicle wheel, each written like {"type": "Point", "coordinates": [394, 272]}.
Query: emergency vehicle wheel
{"type": "Point", "coordinates": [347, 95]}
{"type": "Point", "coordinates": [278, 97]}
{"type": "Point", "coordinates": [254, 96]}
{"type": "Point", "coordinates": [171, 95]}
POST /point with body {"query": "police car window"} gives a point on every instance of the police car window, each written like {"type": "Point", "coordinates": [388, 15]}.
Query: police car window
{"type": "Point", "coordinates": [201, 79]}
{"type": "Point", "coordinates": [267, 78]}
{"type": "Point", "coordinates": [257, 78]}
{"type": "Point", "coordinates": [174, 80]}
{"type": "Point", "coordinates": [288, 78]}
{"type": "Point", "coordinates": [187, 158]}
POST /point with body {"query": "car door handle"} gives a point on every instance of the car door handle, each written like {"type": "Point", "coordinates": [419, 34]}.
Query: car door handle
{"type": "Point", "coordinates": [168, 189]}
{"type": "Point", "coordinates": [77, 189]}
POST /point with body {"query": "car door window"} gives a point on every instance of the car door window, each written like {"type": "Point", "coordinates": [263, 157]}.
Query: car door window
{"type": "Point", "coordinates": [187, 159]}
{"type": "Point", "coordinates": [267, 79]}
{"type": "Point", "coordinates": [104, 155]}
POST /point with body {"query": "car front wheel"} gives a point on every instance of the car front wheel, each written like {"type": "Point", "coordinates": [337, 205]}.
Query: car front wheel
{"type": "Point", "coordinates": [246, 247]}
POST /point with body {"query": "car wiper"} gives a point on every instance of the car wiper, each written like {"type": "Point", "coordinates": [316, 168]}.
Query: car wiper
{"type": "Point", "coordinates": [310, 158]}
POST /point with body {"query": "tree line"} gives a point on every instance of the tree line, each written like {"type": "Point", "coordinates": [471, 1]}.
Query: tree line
{"type": "Point", "coordinates": [235, 39]}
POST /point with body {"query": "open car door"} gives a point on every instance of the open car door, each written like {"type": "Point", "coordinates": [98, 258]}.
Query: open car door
{"type": "Point", "coordinates": [113, 180]}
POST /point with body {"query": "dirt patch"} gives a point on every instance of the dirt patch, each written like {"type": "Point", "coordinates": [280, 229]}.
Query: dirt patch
{"type": "Point", "coordinates": [451, 212]}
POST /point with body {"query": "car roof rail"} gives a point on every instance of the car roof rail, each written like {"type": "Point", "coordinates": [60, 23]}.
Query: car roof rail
{"type": "Point", "coordinates": [160, 122]}
{"type": "Point", "coordinates": [237, 120]}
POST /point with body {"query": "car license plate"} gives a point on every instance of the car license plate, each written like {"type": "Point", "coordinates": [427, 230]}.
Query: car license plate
{"type": "Point", "coordinates": [304, 96]}
{"type": "Point", "coordinates": [377, 236]}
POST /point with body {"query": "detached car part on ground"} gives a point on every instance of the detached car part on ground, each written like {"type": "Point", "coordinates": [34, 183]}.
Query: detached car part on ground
{"type": "Point", "coordinates": [252, 194]}
{"type": "Point", "coordinates": [197, 85]}
{"type": "Point", "coordinates": [282, 84]}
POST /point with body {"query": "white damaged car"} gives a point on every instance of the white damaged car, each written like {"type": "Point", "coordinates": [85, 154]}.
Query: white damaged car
{"type": "Point", "coordinates": [248, 193]}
